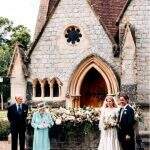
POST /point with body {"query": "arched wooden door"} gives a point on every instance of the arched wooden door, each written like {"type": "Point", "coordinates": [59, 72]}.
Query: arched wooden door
{"type": "Point", "coordinates": [90, 82]}
{"type": "Point", "coordinates": [93, 89]}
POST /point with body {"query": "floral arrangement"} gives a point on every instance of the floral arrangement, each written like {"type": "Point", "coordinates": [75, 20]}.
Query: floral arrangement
{"type": "Point", "coordinates": [76, 115]}
{"type": "Point", "coordinates": [138, 115]}
{"type": "Point", "coordinates": [72, 121]}
{"type": "Point", "coordinates": [110, 122]}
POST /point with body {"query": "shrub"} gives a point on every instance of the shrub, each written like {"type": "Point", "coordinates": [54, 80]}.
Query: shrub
{"type": "Point", "coordinates": [3, 115]}
{"type": "Point", "coordinates": [4, 129]}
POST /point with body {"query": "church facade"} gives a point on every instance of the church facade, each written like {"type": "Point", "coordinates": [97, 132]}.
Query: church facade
{"type": "Point", "coordinates": [84, 50]}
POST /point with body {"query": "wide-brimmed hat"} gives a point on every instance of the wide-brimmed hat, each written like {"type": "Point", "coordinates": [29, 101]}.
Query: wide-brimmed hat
{"type": "Point", "coordinates": [41, 105]}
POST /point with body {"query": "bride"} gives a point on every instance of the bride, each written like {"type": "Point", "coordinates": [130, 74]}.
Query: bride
{"type": "Point", "coordinates": [107, 125]}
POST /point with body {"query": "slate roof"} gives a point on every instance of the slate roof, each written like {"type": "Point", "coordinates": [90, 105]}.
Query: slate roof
{"type": "Point", "coordinates": [108, 11]}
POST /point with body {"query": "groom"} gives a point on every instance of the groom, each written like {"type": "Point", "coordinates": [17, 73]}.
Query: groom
{"type": "Point", "coordinates": [126, 122]}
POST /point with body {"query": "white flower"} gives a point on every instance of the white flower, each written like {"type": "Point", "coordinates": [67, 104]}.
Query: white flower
{"type": "Point", "coordinates": [58, 121]}
{"type": "Point", "coordinates": [127, 137]}
{"type": "Point", "coordinates": [79, 120]}
{"type": "Point", "coordinates": [71, 118]}
{"type": "Point", "coordinates": [61, 115]}
{"type": "Point", "coordinates": [64, 116]}
{"type": "Point", "coordinates": [138, 113]}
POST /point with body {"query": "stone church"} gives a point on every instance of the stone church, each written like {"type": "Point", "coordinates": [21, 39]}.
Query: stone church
{"type": "Point", "coordinates": [84, 50]}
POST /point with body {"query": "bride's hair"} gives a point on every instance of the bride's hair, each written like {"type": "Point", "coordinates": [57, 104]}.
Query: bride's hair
{"type": "Point", "coordinates": [110, 98]}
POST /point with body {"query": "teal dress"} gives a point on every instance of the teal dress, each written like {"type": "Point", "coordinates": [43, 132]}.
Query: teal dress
{"type": "Point", "coordinates": [41, 124]}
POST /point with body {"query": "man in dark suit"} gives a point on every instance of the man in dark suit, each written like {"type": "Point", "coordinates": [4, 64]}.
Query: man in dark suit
{"type": "Point", "coordinates": [17, 114]}
{"type": "Point", "coordinates": [126, 124]}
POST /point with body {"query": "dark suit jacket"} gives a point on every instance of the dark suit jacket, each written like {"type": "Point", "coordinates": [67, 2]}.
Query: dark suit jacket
{"type": "Point", "coordinates": [15, 118]}
{"type": "Point", "coordinates": [126, 124]}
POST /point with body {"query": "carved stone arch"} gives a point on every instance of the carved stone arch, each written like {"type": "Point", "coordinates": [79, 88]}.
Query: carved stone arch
{"type": "Point", "coordinates": [44, 80]}
{"type": "Point", "coordinates": [57, 80]}
{"type": "Point", "coordinates": [101, 66]}
{"type": "Point", "coordinates": [45, 87]}
{"type": "Point", "coordinates": [36, 92]}
{"type": "Point", "coordinates": [34, 81]}
{"type": "Point", "coordinates": [56, 88]}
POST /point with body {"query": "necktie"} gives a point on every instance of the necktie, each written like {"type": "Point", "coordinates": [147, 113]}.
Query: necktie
{"type": "Point", "coordinates": [19, 109]}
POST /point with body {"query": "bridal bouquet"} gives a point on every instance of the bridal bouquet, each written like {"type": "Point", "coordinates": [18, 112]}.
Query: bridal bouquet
{"type": "Point", "coordinates": [110, 122]}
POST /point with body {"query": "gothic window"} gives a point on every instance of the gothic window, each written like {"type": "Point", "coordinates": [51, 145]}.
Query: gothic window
{"type": "Point", "coordinates": [73, 35]}
{"type": "Point", "coordinates": [55, 89]}
{"type": "Point", "coordinates": [46, 89]}
{"type": "Point", "coordinates": [38, 89]}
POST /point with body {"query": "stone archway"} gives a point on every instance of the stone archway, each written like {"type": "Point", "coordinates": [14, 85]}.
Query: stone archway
{"type": "Point", "coordinates": [93, 89]}
{"type": "Point", "coordinates": [106, 77]}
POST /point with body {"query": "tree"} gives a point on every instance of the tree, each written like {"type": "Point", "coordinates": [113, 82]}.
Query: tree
{"type": "Point", "coordinates": [5, 29]}
{"type": "Point", "coordinates": [9, 35]}
{"type": "Point", "coordinates": [5, 55]}
{"type": "Point", "coordinates": [20, 34]}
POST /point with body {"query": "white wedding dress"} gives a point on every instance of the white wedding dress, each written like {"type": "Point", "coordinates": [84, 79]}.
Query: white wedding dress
{"type": "Point", "coordinates": [109, 138]}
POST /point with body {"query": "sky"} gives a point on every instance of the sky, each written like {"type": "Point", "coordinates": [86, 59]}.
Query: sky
{"type": "Point", "coordinates": [21, 12]}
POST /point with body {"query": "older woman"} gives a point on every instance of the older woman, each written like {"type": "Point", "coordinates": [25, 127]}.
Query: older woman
{"type": "Point", "coordinates": [41, 122]}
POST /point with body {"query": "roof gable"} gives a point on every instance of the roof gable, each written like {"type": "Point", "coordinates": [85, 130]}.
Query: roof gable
{"type": "Point", "coordinates": [51, 9]}
{"type": "Point", "coordinates": [106, 10]}
{"type": "Point", "coordinates": [129, 35]}
{"type": "Point", "coordinates": [45, 9]}
{"type": "Point", "coordinates": [123, 11]}
{"type": "Point", "coordinates": [19, 50]}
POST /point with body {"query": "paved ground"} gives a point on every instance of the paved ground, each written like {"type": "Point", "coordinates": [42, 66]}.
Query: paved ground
{"type": "Point", "coordinates": [4, 145]}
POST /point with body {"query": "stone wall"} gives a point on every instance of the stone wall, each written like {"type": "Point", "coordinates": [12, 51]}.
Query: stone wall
{"type": "Point", "coordinates": [60, 140]}
{"type": "Point", "coordinates": [70, 136]}
{"type": "Point", "coordinates": [128, 64]}
{"type": "Point", "coordinates": [54, 57]}
{"type": "Point", "coordinates": [138, 15]}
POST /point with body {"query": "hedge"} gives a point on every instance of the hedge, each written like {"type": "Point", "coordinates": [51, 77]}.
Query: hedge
{"type": "Point", "coordinates": [4, 129]}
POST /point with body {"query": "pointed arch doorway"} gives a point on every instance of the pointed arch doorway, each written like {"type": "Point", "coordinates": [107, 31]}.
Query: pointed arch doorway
{"type": "Point", "coordinates": [89, 84]}
{"type": "Point", "coordinates": [93, 89]}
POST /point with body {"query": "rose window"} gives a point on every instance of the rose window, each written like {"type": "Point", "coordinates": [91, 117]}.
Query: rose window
{"type": "Point", "coordinates": [73, 35]}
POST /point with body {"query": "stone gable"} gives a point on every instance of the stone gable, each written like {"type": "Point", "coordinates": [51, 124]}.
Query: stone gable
{"type": "Point", "coordinates": [107, 11]}
{"type": "Point", "coordinates": [18, 83]}
{"type": "Point", "coordinates": [54, 57]}
{"type": "Point", "coordinates": [138, 15]}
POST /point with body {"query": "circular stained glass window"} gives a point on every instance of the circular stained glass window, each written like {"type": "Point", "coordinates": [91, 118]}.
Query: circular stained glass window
{"type": "Point", "coordinates": [73, 35]}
